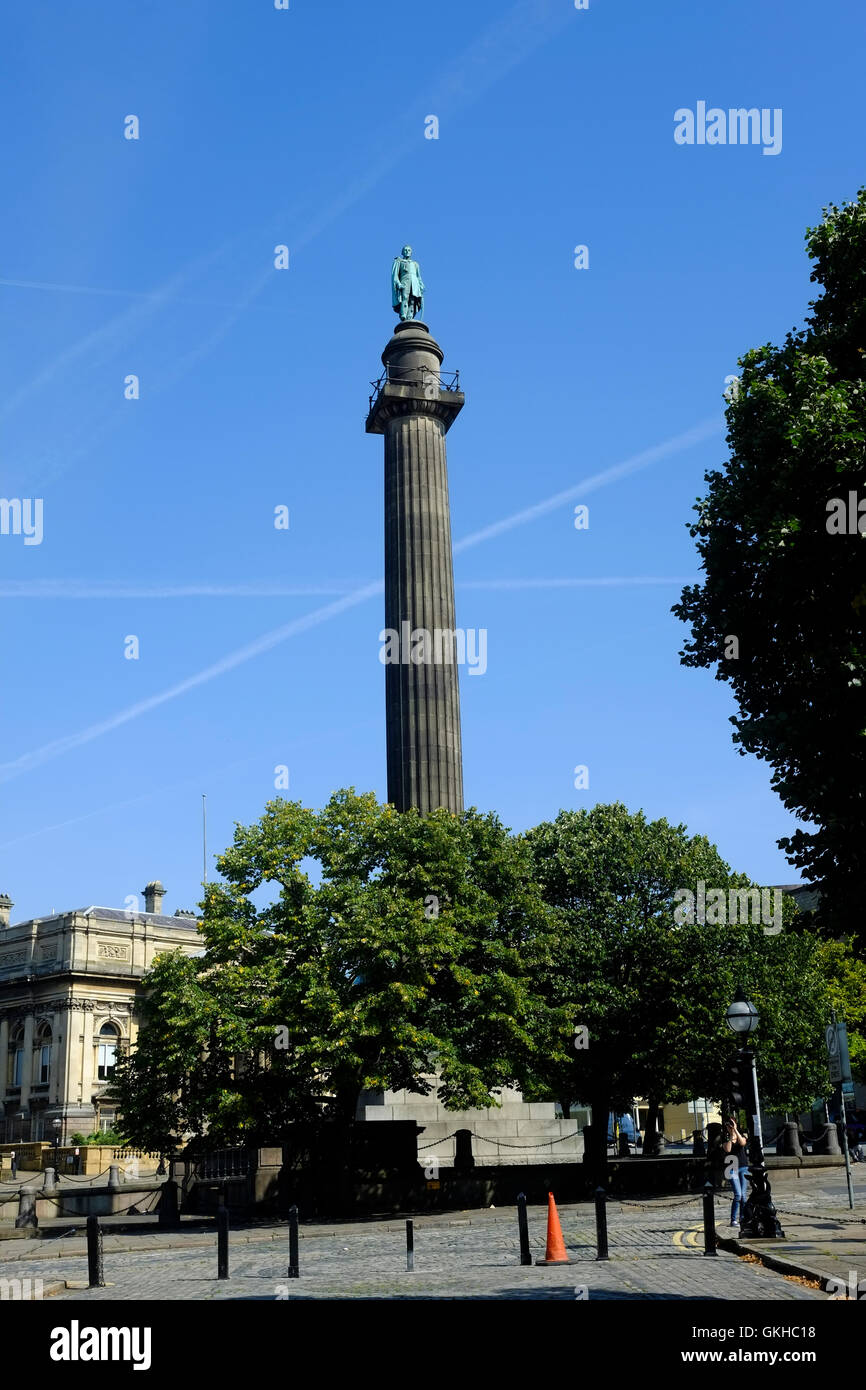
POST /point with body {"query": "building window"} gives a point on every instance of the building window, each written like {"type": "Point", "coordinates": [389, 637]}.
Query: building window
{"type": "Point", "coordinates": [43, 1047]}
{"type": "Point", "coordinates": [107, 1052]}
{"type": "Point", "coordinates": [15, 1074]}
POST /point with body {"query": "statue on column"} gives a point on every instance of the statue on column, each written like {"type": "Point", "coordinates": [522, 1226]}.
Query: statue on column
{"type": "Point", "coordinates": [407, 287]}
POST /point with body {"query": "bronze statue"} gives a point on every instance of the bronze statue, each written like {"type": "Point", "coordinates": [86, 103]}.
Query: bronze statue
{"type": "Point", "coordinates": [407, 287]}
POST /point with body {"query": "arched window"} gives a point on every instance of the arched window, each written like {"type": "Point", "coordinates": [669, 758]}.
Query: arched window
{"type": "Point", "coordinates": [43, 1055]}
{"type": "Point", "coordinates": [16, 1055]}
{"type": "Point", "coordinates": [107, 1051]}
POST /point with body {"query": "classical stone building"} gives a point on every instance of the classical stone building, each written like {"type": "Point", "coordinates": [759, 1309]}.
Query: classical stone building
{"type": "Point", "coordinates": [67, 987]}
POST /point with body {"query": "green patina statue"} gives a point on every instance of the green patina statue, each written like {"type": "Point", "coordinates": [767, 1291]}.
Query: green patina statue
{"type": "Point", "coordinates": [407, 287]}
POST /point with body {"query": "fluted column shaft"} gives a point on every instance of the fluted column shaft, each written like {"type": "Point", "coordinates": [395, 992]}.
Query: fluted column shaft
{"type": "Point", "coordinates": [422, 700]}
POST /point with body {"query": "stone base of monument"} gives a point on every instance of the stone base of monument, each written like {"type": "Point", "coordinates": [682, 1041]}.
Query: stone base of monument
{"type": "Point", "coordinates": [517, 1132]}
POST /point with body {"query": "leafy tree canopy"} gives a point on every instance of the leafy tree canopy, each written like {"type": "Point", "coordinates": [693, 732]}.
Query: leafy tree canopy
{"type": "Point", "coordinates": [409, 955]}
{"type": "Point", "coordinates": [652, 989]}
{"type": "Point", "coordinates": [781, 612]}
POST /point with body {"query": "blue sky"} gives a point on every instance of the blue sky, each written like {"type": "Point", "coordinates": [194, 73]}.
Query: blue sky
{"type": "Point", "coordinates": [155, 257]}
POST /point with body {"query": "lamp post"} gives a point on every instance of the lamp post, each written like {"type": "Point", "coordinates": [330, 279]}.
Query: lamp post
{"type": "Point", "coordinates": [759, 1214]}
{"type": "Point", "coordinates": [57, 1128]}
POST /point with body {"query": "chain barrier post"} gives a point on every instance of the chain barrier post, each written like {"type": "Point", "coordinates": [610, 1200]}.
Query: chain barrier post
{"type": "Point", "coordinates": [709, 1219]}
{"type": "Point", "coordinates": [294, 1272]}
{"type": "Point", "coordinates": [410, 1244]}
{"type": "Point", "coordinates": [222, 1243]}
{"type": "Point", "coordinates": [168, 1205]}
{"type": "Point", "coordinates": [523, 1230]}
{"type": "Point", "coordinates": [95, 1272]}
{"type": "Point", "coordinates": [26, 1208]}
{"type": "Point", "coordinates": [601, 1223]}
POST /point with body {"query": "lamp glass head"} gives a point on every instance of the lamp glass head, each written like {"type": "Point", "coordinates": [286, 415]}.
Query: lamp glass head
{"type": "Point", "coordinates": [742, 1016]}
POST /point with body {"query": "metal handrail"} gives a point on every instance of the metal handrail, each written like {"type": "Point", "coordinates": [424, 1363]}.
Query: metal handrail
{"type": "Point", "coordinates": [400, 376]}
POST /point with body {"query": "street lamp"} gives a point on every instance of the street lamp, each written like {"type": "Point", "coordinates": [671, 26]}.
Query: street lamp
{"type": "Point", "coordinates": [741, 1016]}
{"type": "Point", "coordinates": [759, 1214]}
{"type": "Point", "coordinates": [57, 1127]}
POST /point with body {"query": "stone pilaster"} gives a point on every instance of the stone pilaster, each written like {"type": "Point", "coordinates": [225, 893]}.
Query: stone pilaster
{"type": "Point", "coordinates": [27, 1065]}
{"type": "Point", "coordinates": [86, 1059]}
{"type": "Point", "coordinates": [4, 1054]}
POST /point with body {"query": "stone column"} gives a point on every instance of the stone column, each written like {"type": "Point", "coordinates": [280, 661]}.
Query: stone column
{"type": "Point", "coordinates": [27, 1068]}
{"type": "Point", "coordinates": [4, 1053]}
{"type": "Point", "coordinates": [59, 1056]}
{"type": "Point", "coordinates": [87, 1059]}
{"type": "Point", "coordinates": [422, 703]}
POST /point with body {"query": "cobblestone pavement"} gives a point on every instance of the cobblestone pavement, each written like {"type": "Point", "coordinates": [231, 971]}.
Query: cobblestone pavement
{"type": "Point", "coordinates": [656, 1253]}
{"type": "Point", "coordinates": [475, 1256]}
{"type": "Point", "coordinates": [822, 1234]}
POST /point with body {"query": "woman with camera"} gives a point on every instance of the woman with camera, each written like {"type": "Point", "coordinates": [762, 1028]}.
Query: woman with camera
{"type": "Point", "coordinates": [736, 1166]}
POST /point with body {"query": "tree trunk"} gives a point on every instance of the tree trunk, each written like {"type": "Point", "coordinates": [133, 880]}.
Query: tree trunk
{"type": "Point", "coordinates": [596, 1154]}
{"type": "Point", "coordinates": [340, 1159]}
{"type": "Point", "coordinates": [652, 1139]}
{"type": "Point", "coordinates": [565, 1107]}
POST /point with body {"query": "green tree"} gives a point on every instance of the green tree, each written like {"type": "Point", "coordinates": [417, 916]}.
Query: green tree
{"type": "Point", "coordinates": [652, 989]}
{"type": "Point", "coordinates": [846, 976]}
{"type": "Point", "coordinates": [409, 953]}
{"type": "Point", "coordinates": [782, 609]}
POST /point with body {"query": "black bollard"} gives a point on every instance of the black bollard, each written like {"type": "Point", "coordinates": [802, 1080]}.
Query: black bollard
{"type": "Point", "coordinates": [709, 1220]}
{"type": "Point", "coordinates": [463, 1156]}
{"type": "Point", "coordinates": [169, 1213]}
{"type": "Point", "coordinates": [410, 1244]}
{"type": "Point", "coordinates": [601, 1223]}
{"type": "Point", "coordinates": [294, 1272]}
{"type": "Point", "coordinates": [95, 1275]}
{"type": "Point", "coordinates": [222, 1243]}
{"type": "Point", "coordinates": [523, 1230]}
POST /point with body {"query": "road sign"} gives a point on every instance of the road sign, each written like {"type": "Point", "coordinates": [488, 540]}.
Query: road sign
{"type": "Point", "coordinates": [836, 1035]}
{"type": "Point", "coordinates": [832, 1038]}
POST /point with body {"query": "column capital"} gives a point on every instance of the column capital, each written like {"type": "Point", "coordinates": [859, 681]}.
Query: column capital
{"type": "Point", "coordinates": [413, 382]}
{"type": "Point", "coordinates": [397, 399]}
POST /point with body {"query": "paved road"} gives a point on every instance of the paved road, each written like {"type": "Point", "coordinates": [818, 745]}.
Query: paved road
{"type": "Point", "coordinates": [473, 1257]}
{"type": "Point", "coordinates": [656, 1253]}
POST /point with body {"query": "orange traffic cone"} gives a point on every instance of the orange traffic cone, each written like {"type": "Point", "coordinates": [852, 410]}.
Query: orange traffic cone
{"type": "Point", "coordinates": [555, 1252]}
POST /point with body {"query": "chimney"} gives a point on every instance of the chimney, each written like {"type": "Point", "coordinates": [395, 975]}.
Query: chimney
{"type": "Point", "coordinates": [6, 906]}
{"type": "Point", "coordinates": [153, 896]}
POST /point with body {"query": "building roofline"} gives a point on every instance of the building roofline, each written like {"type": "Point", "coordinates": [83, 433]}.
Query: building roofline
{"type": "Point", "coordinates": [109, 914]}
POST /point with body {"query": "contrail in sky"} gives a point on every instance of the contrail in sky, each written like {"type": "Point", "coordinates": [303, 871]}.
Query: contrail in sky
{"type": "Point", "coordinates": [500, 47]}
{"type": "Point", "coordinates": [79, 589]}
{"type": "Point", "coordinates": [272, 639]}
{"type": "Point", "coordinates": [700, 432]}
